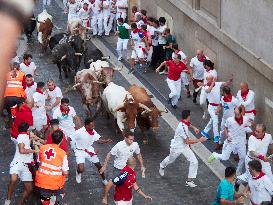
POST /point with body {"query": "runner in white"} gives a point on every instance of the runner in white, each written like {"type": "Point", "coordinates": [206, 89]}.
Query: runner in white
{"type": "Point", "coordinates": [66, 116]}
{"type": "Point", "coordinates": [19, 165]}
{"type": "Point", "coordinates": [71, 7]}
{"type": "Point", "coordinates": [213, 90]}
{"type": "Point", "coordinates": [259, 185]}
{"type": "Point", "coordinates": [228, 104]}
{"type": "Point", "coordinates": [84, 139]}
{"type": "Point", "coordinates": [122, 6]}
{"type": "Point", "coordinates": [30, 86]}
{"type": "Point", "coordinates": [96, 21]}
{"type": "Point", "coordinates": [258, 146]}
{"type": "Point", "coordinates": [106, 16]}
{"type": "Point", "coordinates": [84, 15]}
{"type": "Point", "coordinates": [246, 98]}
{"type": "Point", "coordinates": [180, 144]}
{"type": "Point", "coordinates": [27, 66]}
{"type": "Point", "coordinates": [53, 95]}
{"type": "Point", "coordinates": [123, 38]}
{"type": "Point", "coordinates": [235, 134]}
{"type": "Point", "coordinates": [122, 151]}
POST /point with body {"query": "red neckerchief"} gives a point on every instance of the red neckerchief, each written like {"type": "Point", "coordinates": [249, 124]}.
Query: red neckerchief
{"type": "Point", "coordinates": [90, 131]}
{"type": "Point", "coordinates": [177, 51]}
{"type": "Point", "coordinates": [256, 136]}
{"type": "Point", "coordinates": [27, 64]}
{"type": "Point", "coordinates": [244, 94]}
{"type": "Point", "coordinates": [136, 30]}
{"type": "Point", "coordinates": [23, 133]}
{"type": "Point", "coordinates": [52, 89]}
{"type": "Point", "coordinates": [31, 84]}
{"type": "Point", "coordinates": [209, 84]}
{"type": "Point", "coordinates": [227, 98]}
{"type": "Point", "coordinates": [239, 120]}
{"type": "Point", "coordinates": [86, 9]}
{"type": "Point", "coordinates": [202, 58]}
{"type": "Point", "coordinates": [65, 112]}
{"type": "Point", "coordinates": [258, 177]}
{"type": "Point", "coordinates": [39, 91]}
{"type": "Point", "coordinates": [186, 122]}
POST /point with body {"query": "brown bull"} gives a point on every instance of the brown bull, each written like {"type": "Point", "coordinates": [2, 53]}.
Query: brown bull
{"type": "Point", "coordinates": [46, 29]}
{"type": "Point", "coordinates": [146, 120]}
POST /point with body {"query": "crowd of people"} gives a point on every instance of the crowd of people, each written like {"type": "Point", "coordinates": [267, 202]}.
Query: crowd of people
{"type": "Point", "coordinates": [45, 128]}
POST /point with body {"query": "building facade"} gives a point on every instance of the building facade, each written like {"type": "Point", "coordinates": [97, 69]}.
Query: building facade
{"type": "Point", "coordinates": [236, 34]}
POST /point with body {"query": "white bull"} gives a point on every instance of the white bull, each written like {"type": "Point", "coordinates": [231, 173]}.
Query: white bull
{"type": "Point", "coordinates": [75, 27]}
{"type": "Point", "coordinates": [121, 105]}
{"type": "Point", "coordinates": [41, 18]}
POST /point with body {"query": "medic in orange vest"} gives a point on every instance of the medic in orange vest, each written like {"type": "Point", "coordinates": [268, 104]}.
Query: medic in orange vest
{"type": "Point", "coordinates": [53, 169]}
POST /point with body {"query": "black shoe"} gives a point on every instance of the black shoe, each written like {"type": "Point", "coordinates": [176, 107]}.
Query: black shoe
{"type": "Point", "coordinates": [169, 100]}
{"type": "Point", "coordinates": [194, 101]}
{"type": "Point", "coordinates": [174, 106]}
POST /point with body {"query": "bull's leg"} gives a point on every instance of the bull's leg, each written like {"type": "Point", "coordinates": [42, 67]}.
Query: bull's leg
{"type": "Point", "coordinates": [60, 71]}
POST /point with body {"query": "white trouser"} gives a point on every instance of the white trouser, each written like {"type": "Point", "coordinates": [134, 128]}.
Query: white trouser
{"type": "Point", "coordinates": [190, 156]}
{"type": "Point", "coordinates": [222, 127]}
{"type": "Point", "coordinates": [203, 99]}
{"type": "Point", "coordinates": [122, 45]}
{"type": "Point", "coordinates": [121, 15]}
{"type": "Point", "coordinates": [96, 24]}
{"type": "Point", "coordinates": [175, 87]}
{"type": "Point", "coordinates": [184, 78]}
{"type": "Point", "coordinates": [112, 22]}
{"type": "Point", "coordinates": [213, 122]}
{"type": "Point", "coordinates": [230, 147]}
{"type": "Point", "coordinates": [124, 202]}
{"type": "Point", "coordinates": [266, 168]}
{"type": "Point", "coordinates": [105, 24]}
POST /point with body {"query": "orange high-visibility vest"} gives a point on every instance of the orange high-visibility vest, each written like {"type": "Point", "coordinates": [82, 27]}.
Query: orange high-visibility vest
{"type": "Point", "coordinates": [15, 85]}
{"type": "Point", "coordinates": [50, 175]}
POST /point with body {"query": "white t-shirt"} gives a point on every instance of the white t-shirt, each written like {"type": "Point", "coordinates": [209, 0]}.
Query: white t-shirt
{"type": "Point", "coordinates": [25, 158]}
{"type": "Point", "coordinates": [161, 39]}
{"type": "Point", "coordinates": [153, 33]}
{"type": "Point", "coordinates": [121, 3]}
{"type": "Point", "coordinates": [236, 132]}
{"type": "Point", "coordinates": [31, 90]}
{"type": "Point", "coordinates": [212, 72]}
{"type": "Point", "coordinates": [56, 93]}
{"type": "Point", "coordinates": [73, 10]}
{"type": "Point", "coordinates": [84, 15]}
{"type": "Point", "coordinates": [181, 53]}
{"type": "Point", "coordinates": [248, 102]}
{"type": "Point", "coordinates": [214, 96]}
{"type": "Point", "coordinates": [197, 68]}
{"type": "Point", "coordinates": [228, 107]}
{"type": "Point", "coordinates": [39, 105]}
{"type": "Point", "coordinates": [181, 133]}
{"type": "Point", "coordinates": [66, 121]}
{"type": "Point", "coordinates": [84, 140]}
{"type": "Point", "coordinates": [259, 146]}
{"type": "Point", "coordinates": [28, 69]}
{"type": "Point", "coordinates": [96, 7]}
{"type": "Point", "coordinates": [123, 152]}
{"type": "Point", "coordinates": [260, 189]}
{"type": "Point", "coordinates": [137, 39]}
{"type": "Point", "coordinates": [139, 24]}
{"type": "Point", "coordinates": [106, 12]}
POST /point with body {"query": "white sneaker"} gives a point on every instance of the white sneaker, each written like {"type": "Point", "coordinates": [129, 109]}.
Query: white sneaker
{"type": "Point", "coordinates": [190, 184]}
{"type": "Point", "coordinates": [204, 116]}
{"type": "Point", "coordinates": [161, 171]}
{"type": "Point", "coordinates": [7, 202]}
{"type": "Point", "coordinates": [105, 182]}
{"type": "Point", "coordinates": [119, 58]}
{"type": "Point", "coordinates": [78, 177]}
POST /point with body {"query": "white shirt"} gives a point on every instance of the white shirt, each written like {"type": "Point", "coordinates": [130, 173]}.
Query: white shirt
{"type": "Point", "coordinates": [73, 10]}
{"type": "Point", "coordinates": [139, 24]}
{"type": "Point", "coordinates": [84, 140]}
{"type": "Point", "coordinates": [18, 157]}
{"type": "Point", "coordinates": [260, 189]}
{"type": "Point", "coordinates": [39, 105]}
{"type": "Point", "coordinates": [228, 107]}
{"type": "Point", "coordinates": [28, 69]}
{"type": "Point", "coordinates": [259, 146]}
{"type": "Point", "coordinates": [84, 15]}
{"type": "Point", "coordinates": [197, 68]}
{"type": "Point", "coordinates": [66, 121]}
{"type": "Point", "coordinates": [214, 96]}
{"type": "Point", "coordinates": [56, 93]}
{"type": "Point", "coordinates": [236, 132]}
{"type": "Point", "coordinates": [121, 3]}
{"type": "Point", "coordinates": [248, 103]}
{"type": "Point", "coordinates": [31, 90]}
{"type": "Point", "coordinates": [181, 134]}
{"type": "Point", "coordinates": [181, 53]}
{"type": "Point", "coordinates": [161, 39]}
{"type": "Point", "coordinates": [96, 7]}
{"type": "Point", "coordinates": [123, 152]}
{"type": "Point", "coordinates": [212, 72]}
{"type": "Point", "coordinates": [137, 39]}
{"type": "Point", "coordinates": [153, 33]}
{"type": "Point", "coordinates": [106, 11]}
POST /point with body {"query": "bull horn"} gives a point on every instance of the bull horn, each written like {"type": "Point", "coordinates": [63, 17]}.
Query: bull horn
{"type": "Point", "coordinates": [96, 81]}
{"type": "Point", "coordinates": [64, 57]}
{"type": "Point", "coordinates": [78, 54]}
{"type": "Point", "coordinates": [105, 58]}
{"type": "Point", "coordinates": [75, 86]}
{"type": "Point", "coordinates": [144, 107]}
{"type": "Point", "coordinates": [90, 61]}
{"type": "Point", "coordinates": [118, 69]}
{"type": "Point", "coordinates": [166, 111]}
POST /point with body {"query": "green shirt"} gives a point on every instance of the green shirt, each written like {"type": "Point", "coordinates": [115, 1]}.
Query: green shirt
{"type": "Point", "coordinates": [225, 191]}
{"type": "Point", "coordinates": [123, 30]}
{"type": "Point", "coordinates": [170, 39]}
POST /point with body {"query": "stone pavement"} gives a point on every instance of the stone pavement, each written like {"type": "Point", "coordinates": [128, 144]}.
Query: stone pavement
{"type": "Point", "coordinates": [167, 190]}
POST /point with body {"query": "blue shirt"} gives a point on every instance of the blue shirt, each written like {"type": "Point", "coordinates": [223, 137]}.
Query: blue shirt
{"type": "Point", "coordinates": [225, 191]}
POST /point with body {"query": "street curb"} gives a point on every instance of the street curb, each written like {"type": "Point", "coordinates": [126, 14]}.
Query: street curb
{"type": "Point", "coordinates": [202, 152]}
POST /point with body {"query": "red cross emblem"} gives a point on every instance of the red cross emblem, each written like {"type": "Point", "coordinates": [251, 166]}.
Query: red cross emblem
{"type": "Point", "coordinates": [50, 153]}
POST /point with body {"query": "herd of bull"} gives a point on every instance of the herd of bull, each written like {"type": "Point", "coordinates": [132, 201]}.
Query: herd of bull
{"type": "Point", "coordinates": [128, 107]}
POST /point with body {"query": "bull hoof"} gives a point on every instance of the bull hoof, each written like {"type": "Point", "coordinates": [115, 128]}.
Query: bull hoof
{"type": "Point", "coordinates": [145, 141]}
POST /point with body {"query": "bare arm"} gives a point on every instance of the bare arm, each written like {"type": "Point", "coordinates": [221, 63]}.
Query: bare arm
{"type": "Point", "coordinates": [140, 159]}
{"type": "Point", "coordinates": [140, 192]}
{"type": "Point", "coordinates": [160, 67]}
{"type": "Point", "coordinates": [105, 163]}
{"type": "Point", "coordinates": [77, 120]}
{"type": "Point", "coordinates": [22, 149]}
{"type": "Point", "coordinates": [210, 87]}
{"type": "Point", "coordinates": [104, 141]}
{"type": "Point", "coordinates": [57, 102]}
